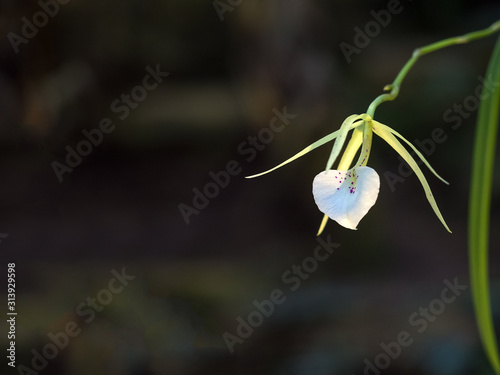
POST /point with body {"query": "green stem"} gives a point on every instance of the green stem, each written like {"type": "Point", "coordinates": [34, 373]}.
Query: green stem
{"type": "Point", "coordinates": [394, 86]}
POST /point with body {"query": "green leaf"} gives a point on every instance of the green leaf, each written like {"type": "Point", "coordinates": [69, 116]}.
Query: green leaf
{"type": "Point", "coordinates": [479, 207]}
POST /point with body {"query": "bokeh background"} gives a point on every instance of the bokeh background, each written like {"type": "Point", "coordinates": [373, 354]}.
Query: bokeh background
{"type": "Point", "coordinates": [228, 70]}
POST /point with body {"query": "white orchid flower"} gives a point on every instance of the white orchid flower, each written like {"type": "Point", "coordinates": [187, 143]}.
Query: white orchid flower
{"type": "Point", "coordinates": [347, 194]}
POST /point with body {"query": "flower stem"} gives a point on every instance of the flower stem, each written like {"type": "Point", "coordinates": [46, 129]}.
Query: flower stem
{"type": "Point", "coordinates": [394, 86]}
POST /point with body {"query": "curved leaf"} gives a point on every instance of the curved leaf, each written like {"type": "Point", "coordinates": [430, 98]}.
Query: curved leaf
{"type": "Point", "coordinates": [479, 207]}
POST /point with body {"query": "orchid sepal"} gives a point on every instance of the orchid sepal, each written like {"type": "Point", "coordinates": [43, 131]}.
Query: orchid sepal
{"type": "Point", "coordinates": [318, 143]}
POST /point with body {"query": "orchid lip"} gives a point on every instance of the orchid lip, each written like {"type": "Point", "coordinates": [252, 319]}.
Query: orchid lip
{"type": "Point", "coordinates": [346, 196]}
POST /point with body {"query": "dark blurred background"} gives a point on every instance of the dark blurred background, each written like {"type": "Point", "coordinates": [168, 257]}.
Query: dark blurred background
{"type": "Point", "coordinates": [232, 66]}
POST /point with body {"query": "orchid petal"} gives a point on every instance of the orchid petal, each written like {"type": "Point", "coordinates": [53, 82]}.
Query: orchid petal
{"type": "Point", "coordinates": [398, 147]}
{"type": "Point", "coordinates": [309, 148]}
{"type": "Point", "coordinates": [339, 142]}
{"type": "Point", "coordinates": [367, 144]}
{"type": "Point", "coordinates": [346, 196]}
{"type": "Point", "coordinates": [351, 149]}
{"type": "Point", "coordinates": [390, 130]}
{"type": "Point", "coordinates": [322, 225]}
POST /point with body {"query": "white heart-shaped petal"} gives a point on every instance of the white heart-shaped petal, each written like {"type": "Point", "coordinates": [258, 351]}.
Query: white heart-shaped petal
{"type": "Point", "coordinates": [346, 196]}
